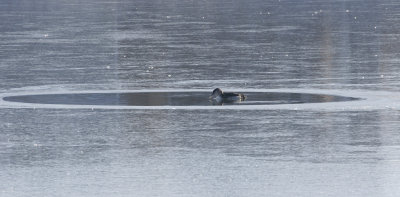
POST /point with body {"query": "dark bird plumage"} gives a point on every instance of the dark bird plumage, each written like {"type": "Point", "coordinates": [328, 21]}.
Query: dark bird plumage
{"type": "Point", "coordinates": [226, 97]}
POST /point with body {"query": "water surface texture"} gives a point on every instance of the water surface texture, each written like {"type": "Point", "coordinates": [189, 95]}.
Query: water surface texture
{"type": "Point", "coordinates": [174, 98]}
{"type": "Point", "coordinates": [338, 47]}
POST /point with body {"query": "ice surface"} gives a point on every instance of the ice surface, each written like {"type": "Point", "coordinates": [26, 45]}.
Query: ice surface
{"type": "Point", "coordinates": [320, 149]}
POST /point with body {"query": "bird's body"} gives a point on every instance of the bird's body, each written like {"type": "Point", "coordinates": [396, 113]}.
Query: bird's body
{"type": "Point", "coordinates": [226, 97]}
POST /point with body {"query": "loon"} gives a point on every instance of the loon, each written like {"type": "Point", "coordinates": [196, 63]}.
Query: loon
{"type": "Point", "coordinates": [220, 97]}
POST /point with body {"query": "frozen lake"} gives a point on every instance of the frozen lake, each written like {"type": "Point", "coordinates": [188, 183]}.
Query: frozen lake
{"type": "Point", "coordinates": [88, 138]}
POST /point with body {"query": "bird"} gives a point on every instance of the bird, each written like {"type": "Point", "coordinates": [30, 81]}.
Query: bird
{"type": "Point", "coordinates": [219, 97]}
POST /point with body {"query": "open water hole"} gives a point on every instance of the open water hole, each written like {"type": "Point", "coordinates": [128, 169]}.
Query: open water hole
{"type": "Point", "coordinates": [174, 98]}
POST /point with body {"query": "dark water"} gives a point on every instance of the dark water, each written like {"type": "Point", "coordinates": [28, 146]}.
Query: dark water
{"type": "Point", "coordinates": [174, 99]}
{"type": "Point", "coordinates": [319, 46]}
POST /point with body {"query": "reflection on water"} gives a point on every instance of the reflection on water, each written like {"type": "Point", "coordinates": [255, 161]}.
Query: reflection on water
{"type": "Point", "coordinates": [174, 99]}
